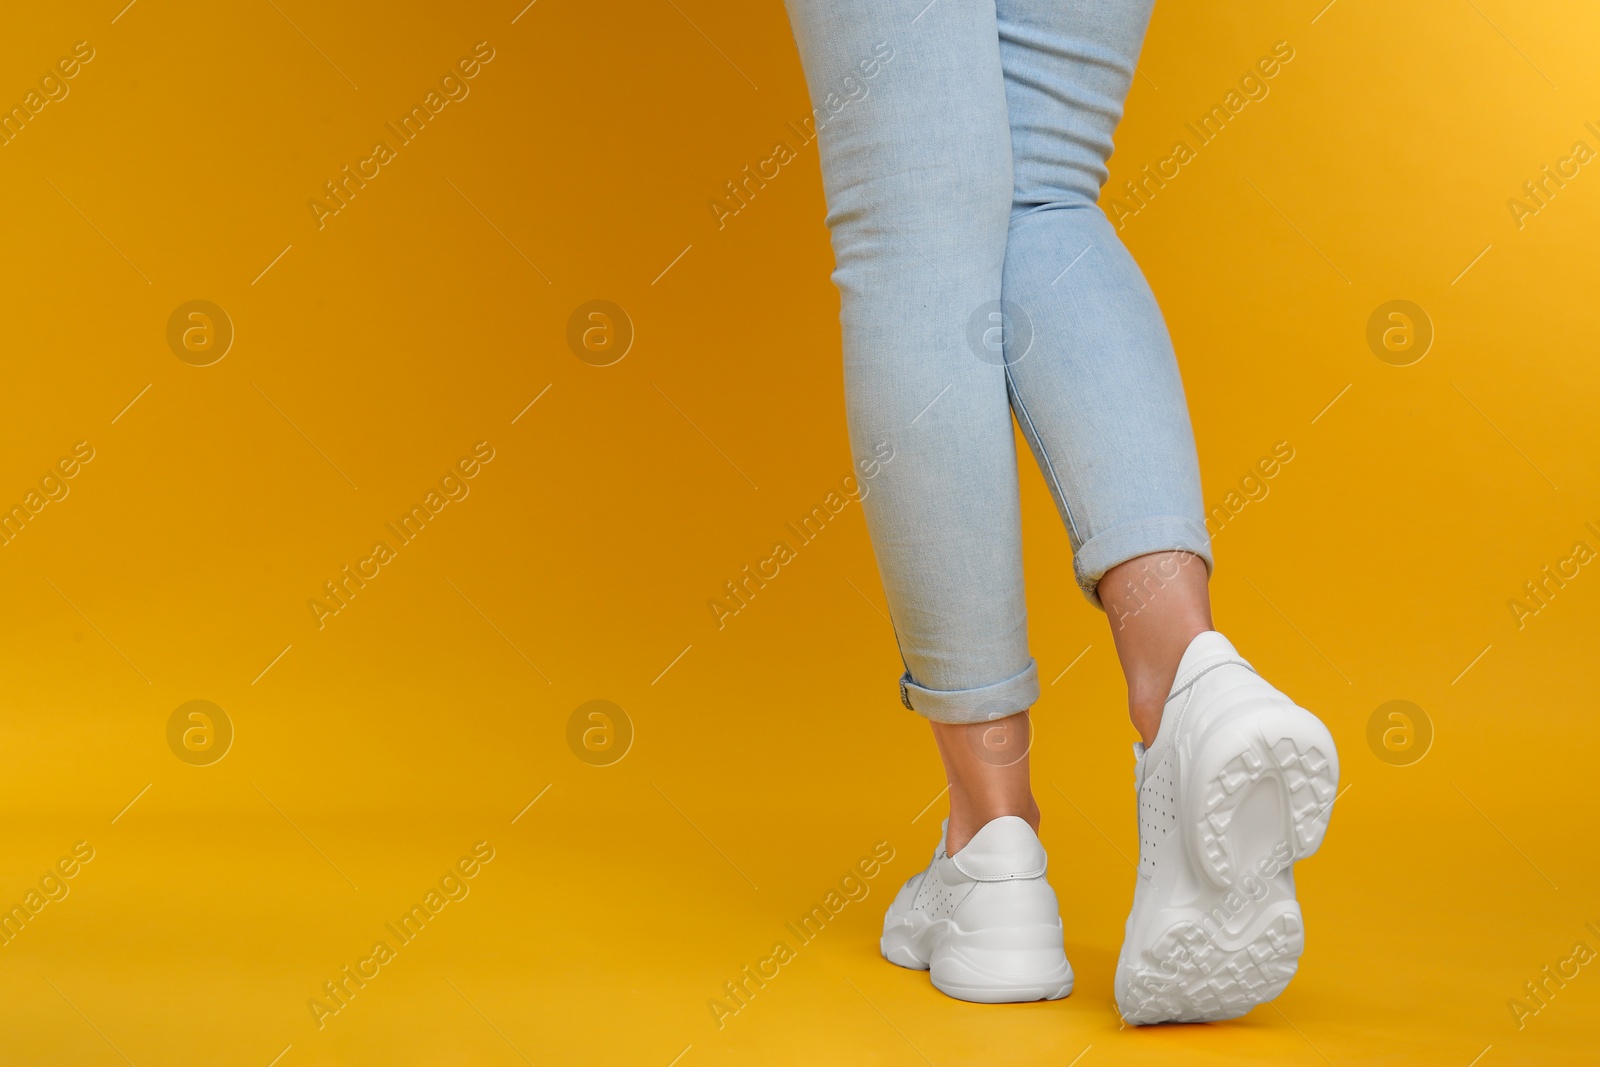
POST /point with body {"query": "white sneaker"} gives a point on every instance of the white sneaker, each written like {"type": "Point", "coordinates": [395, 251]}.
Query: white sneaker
{"type": "Point", "coordinates": [1238, 785]}
{"type": "Point", "coordinates": [984, 923]}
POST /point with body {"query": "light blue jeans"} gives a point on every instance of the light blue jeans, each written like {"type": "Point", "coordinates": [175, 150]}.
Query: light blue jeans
{"type": "Point", "coordinates": [963, 146]}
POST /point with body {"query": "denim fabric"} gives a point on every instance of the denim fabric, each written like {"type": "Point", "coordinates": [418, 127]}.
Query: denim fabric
{"type": "Point", "coordinates": [963, 146]}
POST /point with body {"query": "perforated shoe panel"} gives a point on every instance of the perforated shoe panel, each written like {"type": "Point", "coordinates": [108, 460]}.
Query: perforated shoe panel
{"type": "Point", "coordinates": [936, 899]}
{"type": "Point", "coordinates": [1158, 812]}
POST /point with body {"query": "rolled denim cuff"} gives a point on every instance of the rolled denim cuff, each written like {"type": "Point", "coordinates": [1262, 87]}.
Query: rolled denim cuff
{"type": "Point", "coordinates": [983, 704]}
{"type": "Point", "coordinates": [1161, 533]}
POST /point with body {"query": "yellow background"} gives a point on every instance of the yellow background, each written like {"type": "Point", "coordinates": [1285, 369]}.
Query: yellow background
{"type": "Point", "coordinates": [774, 753]}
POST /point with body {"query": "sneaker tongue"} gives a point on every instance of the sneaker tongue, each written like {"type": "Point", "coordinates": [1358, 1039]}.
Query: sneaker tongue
{"type": "Point", "coordinates": [1205, 646]}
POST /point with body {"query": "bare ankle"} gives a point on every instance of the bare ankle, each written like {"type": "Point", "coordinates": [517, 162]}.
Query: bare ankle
{"type": "Point", "coordinates": [967, 818]}
{"type": "Point", "coordinates": [986, 764]}
{"type": "Point", "coordinates": [1145, 714]}
{"type": "Point", "coordinates": [1156, 604]}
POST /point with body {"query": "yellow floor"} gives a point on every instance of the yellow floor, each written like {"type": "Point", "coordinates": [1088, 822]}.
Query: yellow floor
{"type": "Point", "coordinates": [615, 908]}
{"type": "Point", "coordinates": [187, 498]}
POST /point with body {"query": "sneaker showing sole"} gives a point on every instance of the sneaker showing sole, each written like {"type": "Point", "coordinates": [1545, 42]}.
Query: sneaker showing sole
{"type": "Point", "coordinates": [1237, 786]}
{"type": "Point", "coordinates": [984, 923]}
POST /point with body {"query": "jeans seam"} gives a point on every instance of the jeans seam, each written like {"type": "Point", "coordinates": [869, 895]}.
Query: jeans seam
{"type": "Point", "coordinates": [905, 697]}
{"type": "Point", "coordinates": [1050, 467]}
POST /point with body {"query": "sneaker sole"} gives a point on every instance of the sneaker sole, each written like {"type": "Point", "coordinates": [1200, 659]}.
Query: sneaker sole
{"type": "Point", "coordinates": [1006, 965]}
{"type": "Point", "coordinates": [1263, 788]}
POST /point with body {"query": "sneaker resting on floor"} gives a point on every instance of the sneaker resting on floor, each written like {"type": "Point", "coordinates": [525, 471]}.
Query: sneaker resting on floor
{"type": "Point", "coordinates": [984, 923]}
{"type": "Point", "coordinates": [1238, 785]}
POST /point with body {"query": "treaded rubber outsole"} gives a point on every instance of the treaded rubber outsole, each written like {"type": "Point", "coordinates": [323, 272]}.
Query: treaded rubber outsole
{"type": "Point", "coordinates": [1191, 974]}
{"type": "Point", "coordinates": [1207, 982]}
{"type": "Point", "coordinates": [1309, 778]}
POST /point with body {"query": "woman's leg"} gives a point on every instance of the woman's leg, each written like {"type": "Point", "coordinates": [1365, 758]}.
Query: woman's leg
{"type": "Point", "coordinates": [1097, 390]}
{"type": "Point", "coordinates": [986, 764]}
{"type": "Point", "coordinates": [1238, 785]}
{"type": "Point", "coordinates": [916, 161]}
{"type": "Point", "coordinates": [1157, 605]}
